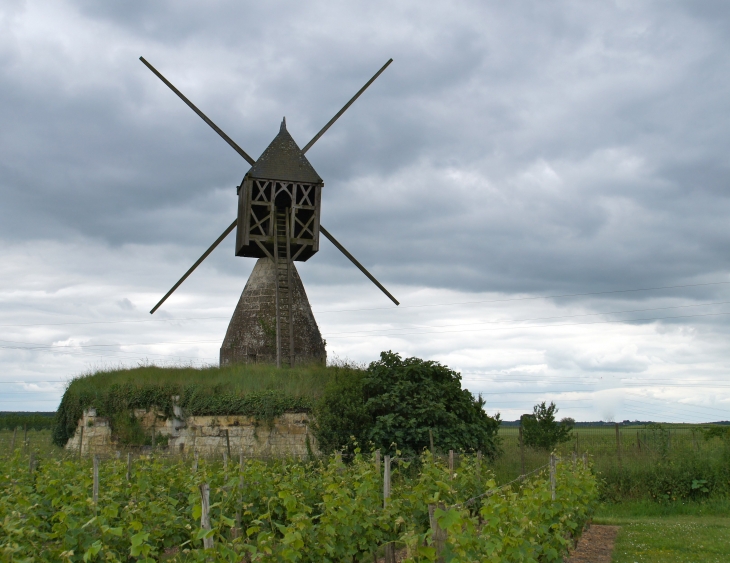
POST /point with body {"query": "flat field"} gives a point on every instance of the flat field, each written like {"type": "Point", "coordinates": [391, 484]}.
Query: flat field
{"type": "Point", "coordinates": [659, 462]}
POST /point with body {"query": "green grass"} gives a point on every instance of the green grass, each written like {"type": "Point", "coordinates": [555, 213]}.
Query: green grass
{"type": "Point", "coordinates": [38, 441]}
{"type": "Point", "coordinates": [300, 381]}
{"type": "Point", "coordinates": [669, 533]}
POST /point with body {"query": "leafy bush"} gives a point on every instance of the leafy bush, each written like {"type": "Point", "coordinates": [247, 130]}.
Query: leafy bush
{"type": "Point", "coordinates": [541, 431]}
{"type": "Point", "coordinates": [397, 401]}
{"type": "Point", "coordinates": [341, 416]}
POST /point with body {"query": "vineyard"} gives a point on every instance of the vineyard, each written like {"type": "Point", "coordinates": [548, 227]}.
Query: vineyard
{"type": "Point", "coordinates": [154, 508]}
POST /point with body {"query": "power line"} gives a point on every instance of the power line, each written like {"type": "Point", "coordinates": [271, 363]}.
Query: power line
{"type": "Point", "coordinates": [120, 322]}
{"type": "Point", "coordinates": [36, 381]}
{"type": "Point", "coordinates": [105, 354]}
{"type": "Point", "coordinates": [393, 308]}
{"type": "Point", "coordinates": [624, 321]}
{"type": "Point", "coordinates": [659, 414]}
{"type": "Point", "coordinates": [528, 298]}
{"type": "Point", "coordinates": [549, 318]}
{"type": "Point", "coordinates": [684, 406]}
{"type": "Point", "coordinates": [38, 345]}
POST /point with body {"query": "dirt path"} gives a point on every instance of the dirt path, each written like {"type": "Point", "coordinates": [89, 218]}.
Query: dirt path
{"type": "Point", "coordinates": [595, 545]}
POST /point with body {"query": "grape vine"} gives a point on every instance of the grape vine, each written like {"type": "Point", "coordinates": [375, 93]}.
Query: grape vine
{"type": "Point", "coordinates": [284, 510]}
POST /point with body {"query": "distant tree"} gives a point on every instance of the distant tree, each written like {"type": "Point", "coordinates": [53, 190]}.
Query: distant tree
{"type": "Point", "coordinates": [541, 431]}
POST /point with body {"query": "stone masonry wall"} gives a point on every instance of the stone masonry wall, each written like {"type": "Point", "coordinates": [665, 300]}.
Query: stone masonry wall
{"type": "Point", "coordinates": [286, 436]}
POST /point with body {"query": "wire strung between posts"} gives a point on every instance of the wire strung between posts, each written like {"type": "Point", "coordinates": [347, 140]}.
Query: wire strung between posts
{"type": "Point", "coordinates": [490, 492]}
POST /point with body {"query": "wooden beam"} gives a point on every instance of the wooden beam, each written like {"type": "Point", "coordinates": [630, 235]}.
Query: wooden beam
{"type": "Point", "coordinates": [204, 117]}
{"type": "Point", "coordinates": [276, 293]}
{"type": "Point", "coordinates": [291, 297]}
{"type": "Point", "coordinates": [354, 261]}
{"type": "Point", "coordinates": [190, 271]}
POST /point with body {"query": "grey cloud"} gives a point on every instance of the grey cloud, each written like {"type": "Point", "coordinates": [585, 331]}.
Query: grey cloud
{"type": "Point", "coordinates": [511, 147]}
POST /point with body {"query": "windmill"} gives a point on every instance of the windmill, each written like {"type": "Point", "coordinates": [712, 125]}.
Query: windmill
{"type": "Point", "coordinates": [279, 203]}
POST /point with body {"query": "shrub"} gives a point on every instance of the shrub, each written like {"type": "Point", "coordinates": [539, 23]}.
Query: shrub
{"type": "Point", "coordinates": [341, 416]}
{"type": "Point", "coordinates": [397, 401]}
{"type": "Point", "coordinates": [541, 431]}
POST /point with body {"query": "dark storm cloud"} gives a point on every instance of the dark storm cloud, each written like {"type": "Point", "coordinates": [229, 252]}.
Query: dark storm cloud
{"type": "Point", "coordinates": [523, 146]}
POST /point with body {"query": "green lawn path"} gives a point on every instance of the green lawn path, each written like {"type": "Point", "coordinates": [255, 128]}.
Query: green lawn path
{"type": "Point", "coordinates": [697, 537]}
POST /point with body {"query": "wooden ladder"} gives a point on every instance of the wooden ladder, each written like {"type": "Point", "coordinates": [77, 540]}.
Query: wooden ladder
{"type": "Point", "coordinates": [284, 318]}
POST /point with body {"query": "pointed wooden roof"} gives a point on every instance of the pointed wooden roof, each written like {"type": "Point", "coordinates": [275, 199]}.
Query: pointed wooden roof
{"type": "Point", "coordinates": [284, 160]}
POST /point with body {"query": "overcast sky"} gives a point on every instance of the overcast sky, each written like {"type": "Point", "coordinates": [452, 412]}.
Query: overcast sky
{"type": "Point", "coordinates": [515, 170]}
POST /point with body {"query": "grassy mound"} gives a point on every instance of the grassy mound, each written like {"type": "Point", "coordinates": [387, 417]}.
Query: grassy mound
{"type": "Point", "coordinates": [261, 391]}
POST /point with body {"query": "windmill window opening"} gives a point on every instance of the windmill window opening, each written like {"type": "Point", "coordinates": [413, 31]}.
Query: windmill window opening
{"type": "Point", "coordinates": [260, 216]}
{"type": "Point", "coordinates": [304, 223]}
{"type": "Point", "coordinates": [261, 191]}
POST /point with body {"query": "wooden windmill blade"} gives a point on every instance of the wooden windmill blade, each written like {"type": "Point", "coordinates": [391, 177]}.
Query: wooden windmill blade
{"type": "Point", "coordinates": [211, 248]}
{"type": "Point", "coordinates": [204, 117]}
{"type": "Point", "coordinates": [344, 108]}
{"type": "Point", "coordinates": [352, 259]}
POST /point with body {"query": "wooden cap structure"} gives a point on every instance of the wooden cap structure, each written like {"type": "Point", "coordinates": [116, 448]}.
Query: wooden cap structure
{"type": "Point", "coordinates": [283, 160]}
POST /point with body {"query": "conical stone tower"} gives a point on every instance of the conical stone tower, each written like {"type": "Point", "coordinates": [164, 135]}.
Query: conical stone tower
{"type": "Point", "coordinates": [251, 334]}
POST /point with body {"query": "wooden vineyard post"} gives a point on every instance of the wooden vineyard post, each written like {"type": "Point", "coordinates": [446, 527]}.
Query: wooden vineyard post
{"type": "Point", "coordinates": [195, 463]}
{"type": "Point", "coordinates": [225, 462]}
{"type": "Point", "coordinates": [451, 464]}
{"type": "Point", "coordinates": [129, 466]}
{"type": "Point", "coordinates": [377, 461]}
{"type": "Point", "coordinates": [25, 437]}
{"type": "Point", "coordinates": [205, 513]}
{"type": "Point", "coordinates": [574, 461]}
{"type": "Point", "coordinates": [238, 527]}
{"type": "Point", "coordinates": [389, 547]}
{"type": "Point", "coordinates": [430, 439]}
{"type": "Point", "coordinates": [638, 442]}
{"type": "Point", "coordinates": [552, 476]}
{"type": "Point", "coordinates": [95, 492]}
{"type": "Point", "coordinates": [12, 444]}
{"type": "Point", "coordinates": [81, 439]}
{"type": "Point", "coordinates": [228, 443]}
{"type": "Point", "coordinates": [585, 461]}
{"type": "Point", "coordinates": [386, 481]}
{"type": "Point", "coordinates": [31, 463]}
{"type": "Point", "coordinates": [522, 450]}
{"type": "Point", "coordinates": [438, 535]}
